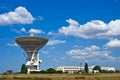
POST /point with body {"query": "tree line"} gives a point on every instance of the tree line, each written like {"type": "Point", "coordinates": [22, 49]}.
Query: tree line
{"type": "Point", "coordinates": [51, 70]}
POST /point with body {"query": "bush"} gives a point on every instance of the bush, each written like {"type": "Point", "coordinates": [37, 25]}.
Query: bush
{"type": "Point", "coordinates": [105, 71]}
{"type": "Point", "coordinates": [43, 71]}
{"type": "Point", "coordinates": [59, 72]}
{"type": "Point", "coordinates": [34, 72]}
{"type": "Point", "coordinates": [51, 70]}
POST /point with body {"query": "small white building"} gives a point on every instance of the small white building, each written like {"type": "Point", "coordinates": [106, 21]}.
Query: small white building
{"type": "Point", "coordinates": [70, 69]}
{"type": "Point", "coordinates": [108, 68]}
{"type": "Point", "coordinates": [73, 69]}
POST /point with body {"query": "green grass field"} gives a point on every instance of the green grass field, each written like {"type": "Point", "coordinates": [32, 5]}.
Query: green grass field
{"type": "Point", "coordinates": [107, 76]}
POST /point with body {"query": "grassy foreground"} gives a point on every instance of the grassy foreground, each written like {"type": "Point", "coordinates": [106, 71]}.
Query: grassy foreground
{"type": "Point", "coordinates": [107, 76]}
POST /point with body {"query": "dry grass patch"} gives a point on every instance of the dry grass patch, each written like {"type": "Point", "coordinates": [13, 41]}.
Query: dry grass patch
{"type": "Point", "coordinates": [115, 76]}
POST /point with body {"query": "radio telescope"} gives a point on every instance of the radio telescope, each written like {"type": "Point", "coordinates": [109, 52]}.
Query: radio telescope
{"type": "Point", "coordinates": [31, 44]}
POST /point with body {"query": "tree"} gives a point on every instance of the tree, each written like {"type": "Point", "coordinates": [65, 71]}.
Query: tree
{"type": "Point", "coordinates": [86, 68]}
{"type": "Point", "coordinates": [23, 69]}
{"type": "Point", "coordinates": [51, 70]}
{"type": "Point", "coordinates": [43, 71]}
{"type": "Point", "coordinates": [97, 68]}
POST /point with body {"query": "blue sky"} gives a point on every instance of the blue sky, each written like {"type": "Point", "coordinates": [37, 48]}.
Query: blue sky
{"type": "Point", "coordinates": [79, 31]}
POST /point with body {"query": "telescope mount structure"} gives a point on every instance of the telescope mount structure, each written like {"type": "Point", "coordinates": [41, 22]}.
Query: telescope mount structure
{"type": "Point", "coordinates": [31, 44]}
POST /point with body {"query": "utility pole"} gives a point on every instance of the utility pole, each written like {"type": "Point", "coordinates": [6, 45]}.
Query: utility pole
{"type": "Point", "coordinates": [80, 68]}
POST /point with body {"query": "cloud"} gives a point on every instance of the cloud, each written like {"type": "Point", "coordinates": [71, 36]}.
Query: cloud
{"type": "Point", "coordinates": [52, 33]}
{"type": "Point", "coordinates": [16, 31]}
{"type": "Point", "coordinates": [40, 18]}
{"type": "Point", "coordinates": [113, 43]}
{"type": "Point", "coordinates": [75, 46]}
{"type": "Point", "coordinates": [92, 53]}
{"type": "Point", "coordinates": [36, 31]}
{"type": "Point", "coordinates": [54, 42]}
{"type": "Point", "coordinates": [23, 30]}
{"type": "Point", "coordinates": [9, 44]}
{"type": "Point", "coordinates": [19, 31]}
{"type": "Point", "coordinates": [92, 29]}
{"type": "Point", "coordinates": [19, 16]}
{"type": "Point", "coordinates": [72, 22]}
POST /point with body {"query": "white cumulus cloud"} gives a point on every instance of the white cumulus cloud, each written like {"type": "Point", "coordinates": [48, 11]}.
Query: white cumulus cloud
{"type": "Point", "coordinates": [113, 43]}
{"type": "Point", "coordinates": [92, 53]}
{"type": "Point", "coordinates": [36, 31]}
{"type": "Point", "coordinates": [9, 44]}
{"type": "Point", "coordinates": [53, 42]}
{"type": "Point", "coordinates": [52, 33]}
{"type": "Point", "coordinates": [72, 22]}
{"type": "Point", "coordinates": [92, 29]}
{"type": "Point", "coordinates": [23, 29]}
{"type": "Point", "coordinates": [19, 16]}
